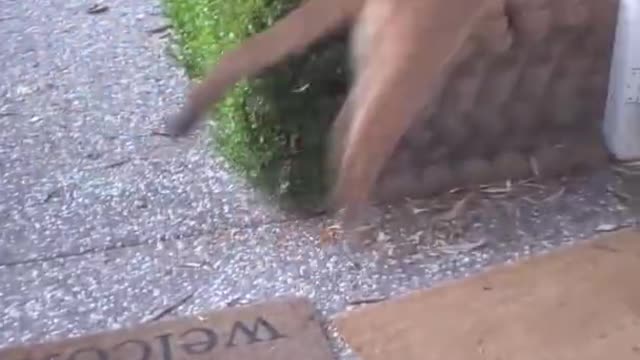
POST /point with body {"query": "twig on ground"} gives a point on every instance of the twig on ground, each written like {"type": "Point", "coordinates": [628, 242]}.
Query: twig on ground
{"type": "Point", "coordinates": [619, 194]}
{"type": "Point", "coordinates": [234, 302]}
{"type": "Point", "coordinates": [551, 197]}
{"type": "Point", "coordinates": [159, 132]}
{"type": "Point", "coordinates": [610, 227]}
{"type": "Point", "coordinates": [194, 265]}
{"type": "Point", "coordinates": [456, 210]}
{"type": "Point", "coordinates": [367, 300]}
{"type": "Point", "coordinates": [459, 248]}
{"type": "Point", "coordinates": [117, 163]}
{"type": "Point", "coordinates": [159, 29]}
{"type": "Point", "coordinates": [97, 9]}
{"type": "Point", "coordinates": [166, 311]}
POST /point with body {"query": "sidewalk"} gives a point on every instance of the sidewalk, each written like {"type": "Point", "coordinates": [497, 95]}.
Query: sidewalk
{"type": "Point", "coordinates": [103, 225]}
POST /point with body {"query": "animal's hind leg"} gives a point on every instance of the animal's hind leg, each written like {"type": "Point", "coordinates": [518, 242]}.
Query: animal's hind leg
{"type": "Point", "coordinates": [342, 123]}
{"type": "Point", "coordinates": [412, 57]}
{"type": "Point", "coordinates": [361, 48]}
{"type": "Point", "coordinates": [380, 113]}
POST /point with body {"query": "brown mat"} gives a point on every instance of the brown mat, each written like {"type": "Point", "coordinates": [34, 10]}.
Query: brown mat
{"type": "Point", "coordinates": [578, 303]}
{"type": "Point", "coordinates": [281, 329]}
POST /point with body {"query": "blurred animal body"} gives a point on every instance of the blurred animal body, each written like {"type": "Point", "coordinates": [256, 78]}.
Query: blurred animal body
{"type": "Point", "coordinates": [401, 53]}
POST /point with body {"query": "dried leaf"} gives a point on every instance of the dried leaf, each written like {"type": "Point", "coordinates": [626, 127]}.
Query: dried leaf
{"type": "Point", "coordinates": [555, 196]}
{"type": "Point", "coordinates": [57, 192]}
{"type": "Point", "coordinates": [417, 211]}
{"type": "Point", "coordinates": [235, 301]}
{"type": "Point", "coordinates": [363, 228]}
{"type": "Point", "coordinates": [531, 183]}
{"type": "Point", "coordinates": [160, 132]}
{"type": "Point", "coordinates": [329, 235]}
{"type": "Point", "coordinates": [455, 210]}
{"type": "Point", "coordinates": [630, 163]}
{"type": "Point", "coordinates": [621, 195]}
{"type": "Point", "coordinates": [627, 168]}
{"type": "Point", "coordinates": [534, 166]}
{"type": "Point", "coordinates": [302, 88]}
{"type": "Point", "coordinates": [547, 199]}
{"type": "Point", "coordinates": [493, 189]}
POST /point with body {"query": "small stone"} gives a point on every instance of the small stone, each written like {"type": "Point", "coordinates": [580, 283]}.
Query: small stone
{"type": "Point", "coordinates": [141, 203]}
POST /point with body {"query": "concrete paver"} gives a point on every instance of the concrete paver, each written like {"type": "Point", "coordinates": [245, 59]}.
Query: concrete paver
{"type": "Point", "coordinates": [103, 225]}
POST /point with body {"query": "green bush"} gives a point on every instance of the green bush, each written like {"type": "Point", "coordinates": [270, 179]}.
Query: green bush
{"type": "Point", "coordinates": [271, 128]}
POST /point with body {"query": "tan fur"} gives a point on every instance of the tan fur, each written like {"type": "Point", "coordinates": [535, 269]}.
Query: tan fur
{"type": "Point", "coordinates": [402, 51]}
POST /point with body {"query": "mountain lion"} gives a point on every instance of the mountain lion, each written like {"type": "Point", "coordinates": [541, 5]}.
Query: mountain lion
{"type": "Point", "coordinates": [402, 51]}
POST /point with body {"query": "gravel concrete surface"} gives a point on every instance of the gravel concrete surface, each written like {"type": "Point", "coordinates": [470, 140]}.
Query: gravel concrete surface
{"type": "Point", "coordinates": [105, 225]}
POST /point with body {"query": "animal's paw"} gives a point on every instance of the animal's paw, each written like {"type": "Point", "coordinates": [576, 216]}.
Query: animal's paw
{"type": "Point", "coordinates": [181, 123]}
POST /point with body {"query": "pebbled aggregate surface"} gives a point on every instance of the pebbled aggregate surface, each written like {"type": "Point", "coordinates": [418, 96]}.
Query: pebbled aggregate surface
{"type": "Point", "coordinates": [103, 224]}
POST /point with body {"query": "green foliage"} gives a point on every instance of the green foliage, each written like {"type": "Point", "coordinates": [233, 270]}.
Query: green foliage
{"type": "Point", "coordinates": [273, 127]}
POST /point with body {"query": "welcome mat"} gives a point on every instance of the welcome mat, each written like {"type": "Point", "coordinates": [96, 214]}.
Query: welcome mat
{"type": "Point", "coordinates": [582, 302]}
{"type": "Point", "coordinates": [281, 329]}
